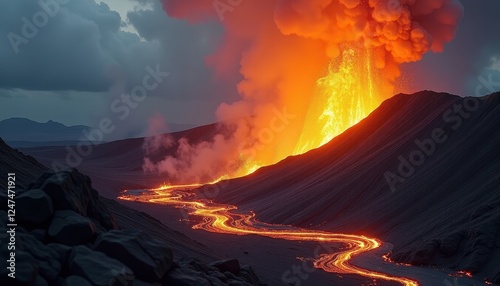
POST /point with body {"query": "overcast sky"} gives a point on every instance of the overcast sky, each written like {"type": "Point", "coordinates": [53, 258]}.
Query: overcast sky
{"type": "Point", "coordinates": [83, 57]}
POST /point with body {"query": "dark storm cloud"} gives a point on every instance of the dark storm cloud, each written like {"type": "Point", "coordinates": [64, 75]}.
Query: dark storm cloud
{"type": "Point", "coordinates": [466, 58]}
{"type": "Point", "coordinates": [78, 45]}
{"type": "Point", "coordinates": [80, 51]}
{"type": "Point", "coordinates": [69, 49]}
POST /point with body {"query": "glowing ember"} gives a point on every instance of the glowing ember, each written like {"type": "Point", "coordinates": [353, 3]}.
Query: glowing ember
{"type": "Point", "coordinates": [222, 218]}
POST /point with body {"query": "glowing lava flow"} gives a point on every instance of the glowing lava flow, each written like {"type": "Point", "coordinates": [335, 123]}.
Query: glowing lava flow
{"type": "Point", "coordinates": [221, 218]}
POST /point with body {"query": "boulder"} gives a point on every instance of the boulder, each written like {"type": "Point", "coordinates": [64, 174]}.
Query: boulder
{"type": "Point", "coordinates": [33, 206]}
{"type": "Point", "coordinates": [98, 268]}
{"type": "Point", "coordinates": [70, 228]}
{"type": "Point", "coordinates": [62, 250]}
{"type": "Point", "coordinates": [249, 275]}
{"type": "Point", "coordinates": [44, 258]}
{"type": "Point", "coordinates": [196, 264]}
{"type": "Point", "coordinates": [229, 265]}
{"type": "Point", "coordinates": [149, 258]}
{"type": "Point", "coordinates": [74, 280]}
{"type": "Point", "coordinates": [70, 190]}
{"type": "Point", "coordinates": [39, 233]}
{"type": "Point", "coordinates": [186, 277]}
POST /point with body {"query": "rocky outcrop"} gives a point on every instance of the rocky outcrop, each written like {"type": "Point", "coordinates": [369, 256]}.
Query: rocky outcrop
{"type": "Point", "coordinates": [66, 236]}
{"type": "Point", "coordinates": [190, 271]}
{"type": "Point", "coordinates": [146, 256]}
{"type": "Point", "coordinates": [70, 228]}
{"type": "Point", "coordinates": [98, 268]}
{"type": "Point", "coordinates": [70, 190]}
{"type": "Point", "coordinates": [34, 206]}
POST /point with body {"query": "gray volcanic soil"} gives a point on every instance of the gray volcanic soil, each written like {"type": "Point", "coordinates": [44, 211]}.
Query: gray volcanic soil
{"type": "Point", "coordinates": [446, 213]}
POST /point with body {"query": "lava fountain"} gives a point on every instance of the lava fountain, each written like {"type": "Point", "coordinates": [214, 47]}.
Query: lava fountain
{"type": "Point", "coordinates": [343, 97]}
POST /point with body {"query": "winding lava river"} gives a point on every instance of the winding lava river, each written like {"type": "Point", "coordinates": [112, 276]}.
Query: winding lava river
{"type": "Point", "coordinates": [222, 218]}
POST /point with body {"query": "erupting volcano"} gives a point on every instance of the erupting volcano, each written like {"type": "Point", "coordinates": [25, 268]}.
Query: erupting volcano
{"type": "Point", "coordinates": [284, 109]}
{"type": "Point", "coordinates": [310, 70]}
{"type": "Point", "coordinates": [250, 142]}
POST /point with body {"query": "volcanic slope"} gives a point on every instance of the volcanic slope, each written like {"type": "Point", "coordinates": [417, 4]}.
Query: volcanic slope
{"type": "Point", "coordinates": [443, 208]}
{"type": "Point", "coordinates": [444, 212]}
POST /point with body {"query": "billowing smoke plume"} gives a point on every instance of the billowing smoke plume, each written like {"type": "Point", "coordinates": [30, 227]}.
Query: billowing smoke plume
{"type": "Point", "coordinates": [281, 48]}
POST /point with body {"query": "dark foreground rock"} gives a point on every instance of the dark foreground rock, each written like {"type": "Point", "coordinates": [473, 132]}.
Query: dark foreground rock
{"type": "Point", "coordinates": [68, 227]}
{"type": "Point", "coordinates": [68, 237]}
{"type": "Point", "coordinates": [146, 256]}
{"type": "Point", "coordinates": [34, 206]}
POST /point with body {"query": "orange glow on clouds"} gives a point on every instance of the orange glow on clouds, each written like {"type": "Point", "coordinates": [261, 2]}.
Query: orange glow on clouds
{"type": "Point", "coordinates": [310, 68]}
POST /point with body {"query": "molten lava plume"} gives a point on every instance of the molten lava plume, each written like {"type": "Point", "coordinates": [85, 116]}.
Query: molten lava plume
{"type": "Point", "coordinates": [344, 97]}
{"type": "Point", "coordinates": [311, 69]}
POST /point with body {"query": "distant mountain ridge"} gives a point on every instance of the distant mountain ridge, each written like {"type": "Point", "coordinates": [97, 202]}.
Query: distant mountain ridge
{"type": "Point", "coordinates": [26, 133]}
{"type": "Point", "coordinates": [23, 129]}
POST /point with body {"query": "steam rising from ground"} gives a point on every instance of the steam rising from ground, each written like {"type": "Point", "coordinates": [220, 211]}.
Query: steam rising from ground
{"type": "Point", "coordinates": [282, 47]}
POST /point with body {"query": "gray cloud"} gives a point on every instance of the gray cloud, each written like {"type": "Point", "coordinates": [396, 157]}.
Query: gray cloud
{"type": "Point", "coordinates": [456, 70]}
{"type": "Point", "coordinates": [82, 50]}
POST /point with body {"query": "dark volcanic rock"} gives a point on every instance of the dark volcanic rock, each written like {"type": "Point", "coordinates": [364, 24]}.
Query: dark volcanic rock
{"type": "Point", "coordinates": [230, 265]}
{"type": "Point", "coordinates": [25, 167]}
{"type": "Point", "coordinates": [33, 206]}
{"type": "Point", "coordinates": [26, 270]}
{"type": "Point", "coordinates": [186, 277]}
{"type": "Point", "coordinates": [247, 273]}
{"type": "Point", "coordinates": [98, 268]}
{"type": "Point", "coordinates": [74, 280]}
{"type": "Point", "coordinates": [39, 234]}
{"type": "Point", "coordinates": [70, 228]}
{"type": "Point", "coordinates": [449, 246]}
{"type": "Point", "coordinates": [70, 190]}
{"type": "Point", "coordinates": [420, 256]}
{"type": "Point", "coordinates": [64, 208]}
{"type": "Point", "coordinates": [146, 256]}
{"type": "Point", "coordinates": [62, 250]}
{"type": "Point", "coordinates": [495, 278]}
{"type": "Point", "coordinates": [195, 264]}
{"type": "Point", "coordinates": [481, 242]}
{"type": "Point", "coordinates": [45, 259]}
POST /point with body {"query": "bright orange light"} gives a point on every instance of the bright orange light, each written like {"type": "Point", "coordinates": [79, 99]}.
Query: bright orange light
{"type": "Point", "coordinates": [222, 218]}
{"type": "Point", "coordinates": [345, 96]}
{"type": "Point", "coordinates": [348, 93]}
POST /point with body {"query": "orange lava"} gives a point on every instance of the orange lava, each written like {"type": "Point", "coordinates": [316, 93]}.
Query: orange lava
{"type": "Point", "coordinates": [221, 218]}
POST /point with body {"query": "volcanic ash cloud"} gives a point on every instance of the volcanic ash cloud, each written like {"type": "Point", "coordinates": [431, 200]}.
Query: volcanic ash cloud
{"type": "Point", "coordinates": [287, 50]}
